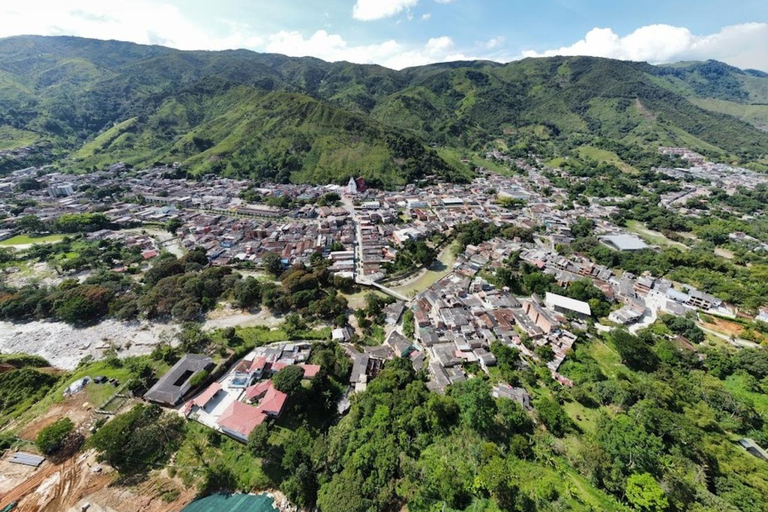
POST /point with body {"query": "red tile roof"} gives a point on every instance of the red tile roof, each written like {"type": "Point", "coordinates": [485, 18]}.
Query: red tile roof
{"type": "Point", "coordinates": [277, 366]}
{"type": "Point", "coordinates": [241, 418]}
{"type": "Point", "coordinates": [149, 254]}
{"type": "Point", "coordinates": [258, 364]}
{"type": "Point", "coordinates": [257, 390]}
{"type": "Point", "coordinates": [310, 370]}
{"type": "Point", "coordinates": [206, 395]}
{"type": "Point", "coordinates": [273, 402]}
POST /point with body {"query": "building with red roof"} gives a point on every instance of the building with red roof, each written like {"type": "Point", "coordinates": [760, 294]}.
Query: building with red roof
{"type": "Point", "coordinates": [240, 419]}
{"type": "Point", "coordinates": [258, 365]}
{"type": "Point", "coordinates": [310, 370]}
{"type": "Point", "coordinates": [206, 396]}
{"type": "Point", "coordinates": [257, 390]}
{"type": "Point", "coordinates": [273, 402]}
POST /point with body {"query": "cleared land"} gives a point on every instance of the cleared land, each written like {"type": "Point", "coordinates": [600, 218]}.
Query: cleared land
{"type": "Point", "coordinates": [653, 237]}
{"type": "Point", "coordinates": [609, 157]}
{"type": "Point", "coordinates": [26, 240]}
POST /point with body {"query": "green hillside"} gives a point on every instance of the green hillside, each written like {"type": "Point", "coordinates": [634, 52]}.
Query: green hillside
{"type": "Point", "coordinates": [270, 116]}
{"type": "Point", "coordinates": [243, 131]}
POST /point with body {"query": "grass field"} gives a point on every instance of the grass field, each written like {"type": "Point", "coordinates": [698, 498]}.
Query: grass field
{"type": "Point", "coordinates": [203, 447]}
{"type": "Point", "coordinates": [27, 240]}
{"type": "Point", "coordinates": [608, 359]}
{"type": "Point", "coordinates": [442, 266]}
{"type": "Point", "coordinates": [653, 237]}
{"type": "Point", "coordinates": [739, 385]}
{"type": "Point", "coordinates": [454, 156]}
{"type": "Point", "coordinates": [357, 300]}
{"type": "Point", "coordinates": [609, 157]}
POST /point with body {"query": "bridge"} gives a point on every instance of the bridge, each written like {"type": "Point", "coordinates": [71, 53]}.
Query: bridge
{"type": "Point", "coordinates": [388, 291]}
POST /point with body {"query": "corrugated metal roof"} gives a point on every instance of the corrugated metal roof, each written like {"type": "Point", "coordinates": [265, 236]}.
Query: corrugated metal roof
{"type": "Point", "coordinates": [28, 459]}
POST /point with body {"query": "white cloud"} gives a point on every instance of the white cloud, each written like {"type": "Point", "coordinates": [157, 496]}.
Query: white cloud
{"type": "Point", "coordinates": [368, 10]}
{"type": "Point", "coordinates": [140, 21]}
{"type": "Point", "coordinates": [744, 45]}
{"type": "Point", "coordinates": [333, 47]}
{"type": "Point", "coordinates": [495, 42]}
{"type": "Point", "coordinates": [426, 16]}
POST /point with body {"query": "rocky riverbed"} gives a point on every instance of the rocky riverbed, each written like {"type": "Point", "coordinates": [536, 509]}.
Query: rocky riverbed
{"type": "Point", "coordinates": [64, 346]}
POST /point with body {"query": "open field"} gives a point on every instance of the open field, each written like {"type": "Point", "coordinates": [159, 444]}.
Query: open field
{"type": "Point", "coordinates": [653, 237]}
{"type": "Point", "coordinates": [440, 268]}
{"type": "Point", "coordinates": [609, 157]}
{"type": "Point", "coordinates": [22, 241]}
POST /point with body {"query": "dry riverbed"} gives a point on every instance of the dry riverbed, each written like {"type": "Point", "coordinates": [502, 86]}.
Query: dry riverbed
{"type": "Point", "coordinates": [64, 346]}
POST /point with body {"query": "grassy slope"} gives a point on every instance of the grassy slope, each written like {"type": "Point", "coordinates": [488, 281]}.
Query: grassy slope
{"type": "Point", "coordinates": [240, 130]}
{"type": "Point", "coordinates": [11, 138]}
{"type": "Point", "coordinates": [756, 115]}
{"type": "Point", "coordinates": [602, 155]}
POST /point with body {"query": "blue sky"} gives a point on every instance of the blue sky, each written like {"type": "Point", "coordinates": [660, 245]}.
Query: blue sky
{"type": "Point", "coordinates": [400, 33]}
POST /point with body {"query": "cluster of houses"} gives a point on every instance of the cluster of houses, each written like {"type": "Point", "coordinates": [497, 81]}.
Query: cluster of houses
{"type": "Point", "coordinates": [638, 295]}
{"type": "Point", "coordinates": [459, 317]}
{"type": "Point", "coordinates": [242, 399]}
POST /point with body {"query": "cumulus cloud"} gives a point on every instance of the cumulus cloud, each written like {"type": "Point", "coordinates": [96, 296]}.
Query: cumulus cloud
{"type": "Point", "coordinates": [333, 47]}
{"type": "Point", "coordinates": [744, 45]}
{"type": "Point", "coordinates": [140, 21]}
{"type": "Point", "coordinates": [495, 42]}
{"type": "Point", "coordinates": [368, 10]}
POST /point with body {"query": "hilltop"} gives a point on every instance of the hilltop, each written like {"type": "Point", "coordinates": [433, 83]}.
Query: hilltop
{"type": "Point", "coordinates": [241, 113]}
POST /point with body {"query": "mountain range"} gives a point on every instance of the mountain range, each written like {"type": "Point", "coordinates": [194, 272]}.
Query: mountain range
{"type": "Point", "coordinates": [266, 116]}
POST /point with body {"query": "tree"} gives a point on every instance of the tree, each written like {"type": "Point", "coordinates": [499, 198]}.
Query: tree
{"type": "Point", "coordinates": [139, 439]}
{"type": "Point", "coordinates": [496, 479]}
{"type": "Point", "coordinates": [247, 292]}
{"type": "Point", "coordinates": [477, 405]}
{"type": "Point", "coordinates": [409, 327]}
{"type": "Point", "coordinates": [553, 416]}
{"type": "Point", "coordinates": [288, 380]}
{"type": "Point", "coordinates": [644, 493]}
{"type": "Point", "coordinates": [192, 338]}
{"type": "Point", "coordinates": [173, 225]}
{"type": "Point", "coordinates": [31, 224]}
{"type": "Point", "coordinates": [633, 351]}
{"type": "Point", "coordinates": [293, 325]}
{"type": "Point", "coordinates": [52, 438]}
{"type": "Point", "coordinates": [545, 353]}
{"type": "Point", "coordinates": [583, 227]}
{"type": "Point", "coordinates": [684, 326]}
{"type": "Point", "coordinates": [630, 446]}
{"type": "Point", "coordinates": [272, 264]}
{"type": "Point", "coordinates": [258, 440]}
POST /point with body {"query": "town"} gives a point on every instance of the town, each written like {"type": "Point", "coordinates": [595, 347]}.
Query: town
{"type": "Point", "coordinates": [447, 326]}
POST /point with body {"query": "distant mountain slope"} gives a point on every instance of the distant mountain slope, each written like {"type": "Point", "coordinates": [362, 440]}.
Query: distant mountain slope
{"type": "Point", "coordinates": [236, 130]}
{"type": "Point", "coordinates": [263, 115]}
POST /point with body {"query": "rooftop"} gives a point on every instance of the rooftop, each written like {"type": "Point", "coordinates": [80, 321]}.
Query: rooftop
{"type": "Point", "coordinates": [558, 301]}
{"type": "Point", "coordinates": [625, 242]}
{"type": "Point", "coordinates": [241, 418]}
{"type": "Point", "coordinates": [172, 386]}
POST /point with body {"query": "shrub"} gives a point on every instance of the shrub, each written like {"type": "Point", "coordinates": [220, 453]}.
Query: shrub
{"type": "Point", "coordinates": [52, 438]}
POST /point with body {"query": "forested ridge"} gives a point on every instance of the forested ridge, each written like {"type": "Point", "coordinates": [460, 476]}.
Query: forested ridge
{"type": "Point", "coordinates": [266, 116]}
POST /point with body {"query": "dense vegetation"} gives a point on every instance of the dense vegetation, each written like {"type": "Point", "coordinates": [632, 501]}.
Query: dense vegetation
{"type": "Point", "coordinates": [181, 289]}
{"type": "Point", "coordinates": [20, 388]}
{"type": "Point", "coordinates": [274, 117]}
